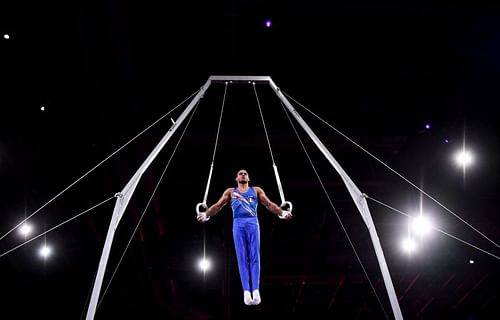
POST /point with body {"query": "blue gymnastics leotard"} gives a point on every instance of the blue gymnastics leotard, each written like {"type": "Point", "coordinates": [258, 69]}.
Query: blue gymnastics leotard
{"type": "Point", "coordinates": [246, 235]}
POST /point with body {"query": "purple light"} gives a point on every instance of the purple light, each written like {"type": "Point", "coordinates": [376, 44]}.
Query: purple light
{"type": "Point", "coordinates": [268, 23]}
{"type": "Point", "coordinates": [427, 126]}
{"type": "Point", "coordinates": [446, 140]}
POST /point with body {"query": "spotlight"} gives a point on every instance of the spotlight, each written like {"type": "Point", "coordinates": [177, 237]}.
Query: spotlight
{"type": "Point", "coordinates": [25, 229]}
{"type": "Point", "coordinates": [408, 245]}
{"type": "Point", "coordinates": [204, 264]}
{"type": "Point", "coordinates": [268, 23]}
{"type": "Point", "coordinates": [464, 158]}
{"type": "Point", "coordinates": [421, 225]}
{"type": "Point", "coordinates": [45, 251]}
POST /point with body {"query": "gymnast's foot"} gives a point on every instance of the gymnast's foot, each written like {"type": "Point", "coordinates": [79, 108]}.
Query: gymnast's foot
{"type": "Point", "coordinates": [247, 298]}
{"type": "Point", "coordinates": [256, 297]}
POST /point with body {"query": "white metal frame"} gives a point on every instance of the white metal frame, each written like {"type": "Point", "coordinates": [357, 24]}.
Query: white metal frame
{"type": "Point", "coordinates": [125, 195]}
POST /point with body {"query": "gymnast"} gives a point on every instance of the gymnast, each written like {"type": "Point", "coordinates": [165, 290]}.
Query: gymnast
{"type": "Point", "coordinates": [244, 200]}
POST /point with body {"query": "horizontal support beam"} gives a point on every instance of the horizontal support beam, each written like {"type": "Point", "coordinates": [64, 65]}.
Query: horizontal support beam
{"type": "Point", "coordinates": [240, 79]}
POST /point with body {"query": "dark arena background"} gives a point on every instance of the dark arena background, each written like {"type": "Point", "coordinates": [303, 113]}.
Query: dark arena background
{"type": "Point", "coordinates": [393, 89]}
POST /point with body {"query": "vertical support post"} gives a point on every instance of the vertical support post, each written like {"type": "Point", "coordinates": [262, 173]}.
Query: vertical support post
{"type": "Point", "coordinates": [359, 199]}
{"type": "Point", "coordinates": [124, 198]}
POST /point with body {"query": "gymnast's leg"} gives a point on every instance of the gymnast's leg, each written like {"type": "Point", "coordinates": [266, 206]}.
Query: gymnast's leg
{"type": "Point", "coordinates": [253, 233]}
{"type": "Point", "coordinates": [241, 246]}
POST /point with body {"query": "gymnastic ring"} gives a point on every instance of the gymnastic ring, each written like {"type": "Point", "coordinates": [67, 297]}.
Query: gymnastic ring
{"type": "Point", "coordinates": [201, 204]}
{"type": "Point", "coordinates": [287, 203]}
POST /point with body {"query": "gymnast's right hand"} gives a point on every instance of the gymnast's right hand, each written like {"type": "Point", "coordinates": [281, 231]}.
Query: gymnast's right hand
{"type": "Point", "coordinates": [202, 217]}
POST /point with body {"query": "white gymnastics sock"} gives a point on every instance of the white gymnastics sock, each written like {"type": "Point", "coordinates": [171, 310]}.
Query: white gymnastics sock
{"type": "Point", "coordinates": [247, 297]}
{"type": "Point", "coordinates": [256, 297]}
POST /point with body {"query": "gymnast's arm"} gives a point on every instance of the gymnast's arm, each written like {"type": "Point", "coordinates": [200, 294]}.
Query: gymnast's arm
{"type": "Point", "coordinates": [271, 206]}
{"type": "Point", "coordinates": [216, 207]}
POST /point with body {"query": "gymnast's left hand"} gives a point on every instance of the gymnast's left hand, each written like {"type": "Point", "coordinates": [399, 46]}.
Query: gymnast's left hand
{"type": "Point", "coordinates": [285, 214]}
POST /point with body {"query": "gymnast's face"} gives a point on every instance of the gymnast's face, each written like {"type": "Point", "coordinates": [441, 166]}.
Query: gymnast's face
{"type": "Point", "coordinates": [242, 176]}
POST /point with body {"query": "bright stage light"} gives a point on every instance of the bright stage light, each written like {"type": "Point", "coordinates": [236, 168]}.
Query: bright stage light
{"type": "Point", "coordinates": [6, 36]}
{"type": "Point", "coordinates": [204, 264]}
{"type": "Point", "coordinates": [25, 230]}
{"type": "Point", "coordinates": [421, 225]}
{"type": "Point", "coordinates": [45, 251]}
{"type": "Point", "coordinates": [464, 158]}
{"type": "Point", "coordinates": [408, 245]}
